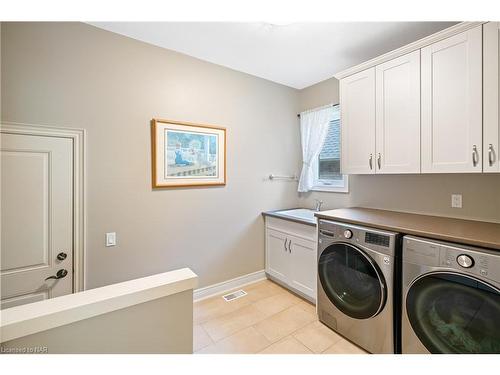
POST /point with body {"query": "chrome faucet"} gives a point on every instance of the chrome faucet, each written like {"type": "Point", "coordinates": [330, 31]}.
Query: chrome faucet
{"type": "Point", "coordinates": [318, 204]}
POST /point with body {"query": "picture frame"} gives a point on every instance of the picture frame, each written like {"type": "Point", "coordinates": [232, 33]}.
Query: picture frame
{"type": "Point", "coordinates": [186, 154]}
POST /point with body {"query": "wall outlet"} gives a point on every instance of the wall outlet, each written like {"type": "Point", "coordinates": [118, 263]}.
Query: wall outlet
{"type": "Point", "coordinates": [456, 200]}
{"type": "Point", "coordinates": [111, 239]}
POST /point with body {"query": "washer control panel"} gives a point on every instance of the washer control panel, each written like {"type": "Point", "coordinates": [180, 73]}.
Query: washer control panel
{"type": "Point", "coordinates": [376, 240]}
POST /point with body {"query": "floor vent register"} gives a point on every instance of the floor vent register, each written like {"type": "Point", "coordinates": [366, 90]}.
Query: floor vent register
{"type": "Point", "coordinates": [234, 295]}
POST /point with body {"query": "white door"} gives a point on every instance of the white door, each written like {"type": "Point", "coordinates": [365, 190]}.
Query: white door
{"type": "Point", "coordinates": [277, 255]}
{"type": "Point", "coordinates": [452, 104]}
{"type": "Point", "coordinates": [491, 99]}
{"type": "Point", "coordinates": [37, 218]}
{"type": "Point", "coordinates": [398, 115]}
{"type": "Point", "coordinates": [303, 266]}
{"type": "Point", "coordinates": [357, 112]}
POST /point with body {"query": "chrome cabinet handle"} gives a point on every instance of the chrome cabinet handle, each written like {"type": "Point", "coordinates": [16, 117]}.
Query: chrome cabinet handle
{"type": "Point", "coordinates": [490, 154]}
{"type": "Point", "coordinates": [370, 161]}
{"type": "Point", "coordinates": [475, 155]}
{"type": "Point", "coordinates": [284, 244]}
{"type": "Point", "coordinates": [59, 275]}
{"type": "Point", "coordinates": [379, 160]}
{"type": "Point", "coordinates": [290, 246]}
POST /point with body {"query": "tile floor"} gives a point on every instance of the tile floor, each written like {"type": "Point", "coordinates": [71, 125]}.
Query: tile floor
{"type": "Point", "coordinates": [268, 320]}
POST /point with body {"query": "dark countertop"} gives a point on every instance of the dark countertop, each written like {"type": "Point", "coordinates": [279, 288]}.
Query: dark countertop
{"type": "Point", "coordinates": [277, 214]}
{"type": "Point", "coordinates": [468, 232]}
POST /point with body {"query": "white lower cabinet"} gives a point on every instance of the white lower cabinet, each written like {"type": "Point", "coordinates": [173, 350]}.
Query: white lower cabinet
{"type": "Point", "coordinates": [277, 257]}
{"type": "Point", "coordinates": [291, 255]}
{"type": "Point", "coordinates": [302, 275]}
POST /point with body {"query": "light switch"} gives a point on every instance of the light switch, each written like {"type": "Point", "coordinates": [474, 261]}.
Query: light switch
{"type": "Point", "coordinates": [456, 200]}
{"type": "Point", "coordinates": [111, 239]}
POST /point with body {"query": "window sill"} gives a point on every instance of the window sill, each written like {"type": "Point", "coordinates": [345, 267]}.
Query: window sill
{"type": "Point", "coordinates": [331, 189]}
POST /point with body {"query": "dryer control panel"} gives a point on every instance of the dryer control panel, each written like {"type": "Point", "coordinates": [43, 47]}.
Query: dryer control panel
{"type": "Point", "coordinates": [465, 259]}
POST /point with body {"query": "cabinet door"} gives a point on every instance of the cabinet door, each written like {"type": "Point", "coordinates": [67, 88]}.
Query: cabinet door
{"type": "Point", "coordinates": [452, 104]}
{"type": "Point", "coordinates": [491, 98]}
{"type": "Point", "coordinates": [357, 111]}
{"type": "Point", "coordinates": [277, 255]}
{"type": "Point", "coordinates": [303, 273]}
{"type": "Point", "coordinates": [398, 115]}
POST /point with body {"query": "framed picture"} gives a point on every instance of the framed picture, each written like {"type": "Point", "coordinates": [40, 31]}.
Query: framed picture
{"type": "Point", "coordinates": [186, 154]}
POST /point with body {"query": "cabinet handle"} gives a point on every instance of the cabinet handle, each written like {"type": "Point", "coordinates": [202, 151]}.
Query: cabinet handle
{"type": "Point", "coordinates": [475, 155]}
{"type": "Point", "coordinates": [284, 245]}
{"type": "Point", "coordinates": [490, 154]}
{"type": "Point", "coordinates": [379, 160]}
{"type": "Point", "coordinates": [370, 161]}
{"type": "Point", "coordinates": [290, 246]}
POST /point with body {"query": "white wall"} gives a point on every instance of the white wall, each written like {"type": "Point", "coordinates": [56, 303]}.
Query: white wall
{"type": "Point", "coordinates": [76, 75]}
{"type": "Point", "coordinates": [428, 194]}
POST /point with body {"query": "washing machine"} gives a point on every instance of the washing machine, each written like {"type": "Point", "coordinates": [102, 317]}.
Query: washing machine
{"type": "Point", "coordinates": [358, 285]}
{"type": "Point", "coordinates": [451, 298]}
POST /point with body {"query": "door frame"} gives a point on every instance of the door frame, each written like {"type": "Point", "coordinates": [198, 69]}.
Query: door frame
{"type": "Point", "coordinates": [78, 136]}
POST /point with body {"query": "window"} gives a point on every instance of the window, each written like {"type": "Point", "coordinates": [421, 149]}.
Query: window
{"type": "Point", "coordinates": [327, 166]}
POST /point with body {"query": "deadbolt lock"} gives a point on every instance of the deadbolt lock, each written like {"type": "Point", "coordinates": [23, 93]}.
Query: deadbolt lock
{"type": "Point", "coordinates": [62, 256]}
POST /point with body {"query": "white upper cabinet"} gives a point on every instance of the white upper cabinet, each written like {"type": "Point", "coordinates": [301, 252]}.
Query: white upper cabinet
{"type": "Point", "coordinates": [491, 102]}
{"type": "Point", "coordinates": [452, 104]}
{"type": "Point", "coordinates": [398, 115]}
{"type": "Point", "coordinates": [357, 111]}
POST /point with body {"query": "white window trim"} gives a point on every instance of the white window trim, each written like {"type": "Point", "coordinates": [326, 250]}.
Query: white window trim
{"type": "Point", "coordinates": [342, 187]}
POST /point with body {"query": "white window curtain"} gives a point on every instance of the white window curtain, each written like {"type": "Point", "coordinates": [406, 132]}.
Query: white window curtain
{"type": "Point", "coordinates": [313, 129]}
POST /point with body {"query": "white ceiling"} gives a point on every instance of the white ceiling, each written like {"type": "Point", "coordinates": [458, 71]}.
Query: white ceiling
{"type": "Point", "coordinates": [297, 55]}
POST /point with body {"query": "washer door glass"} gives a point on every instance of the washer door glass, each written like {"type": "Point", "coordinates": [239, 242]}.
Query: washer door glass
{"type": "Point", "coordinates": [453, 313]}
{"type": "Point", "coordinates": [351, 281]}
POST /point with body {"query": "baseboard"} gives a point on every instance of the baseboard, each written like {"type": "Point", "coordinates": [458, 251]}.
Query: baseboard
{"type": "Point", "coordinates": [226, 286]}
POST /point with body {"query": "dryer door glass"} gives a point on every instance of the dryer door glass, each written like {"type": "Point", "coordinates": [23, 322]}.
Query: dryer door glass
{"type": "Point", "coordinates": [452, 313]}
{"type": "Point", "coordinates": [351, 281]}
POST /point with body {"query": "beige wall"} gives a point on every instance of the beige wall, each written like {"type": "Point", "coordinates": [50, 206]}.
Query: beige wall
{"type": "Point", "coordinates": [163, 325]}
{"type": "Point", "coordinates": [76, 75]}
{"type": "Point", "coordinates": [429, 194]}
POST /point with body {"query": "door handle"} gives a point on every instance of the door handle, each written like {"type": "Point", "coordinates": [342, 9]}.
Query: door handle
{"type": "Point", "coordinates": [490, 154]}
{"type": "Point", "coordinates": [379, 160]}
{"type": "Point", "coordinates": [59, 275]}
{"type": "Point", "coordinates": [370, 161]}
{"type": "Point", "coordinates": [290, 246]}
{"type": "Point", "coordinates": [284, 245]}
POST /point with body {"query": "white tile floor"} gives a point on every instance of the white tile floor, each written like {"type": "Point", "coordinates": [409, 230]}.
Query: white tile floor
{"type": "Point", "coordinates": [269, 320]}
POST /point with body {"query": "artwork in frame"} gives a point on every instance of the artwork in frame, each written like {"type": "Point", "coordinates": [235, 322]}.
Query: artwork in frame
{"type": "Point", "coordinates": [186, 154]}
